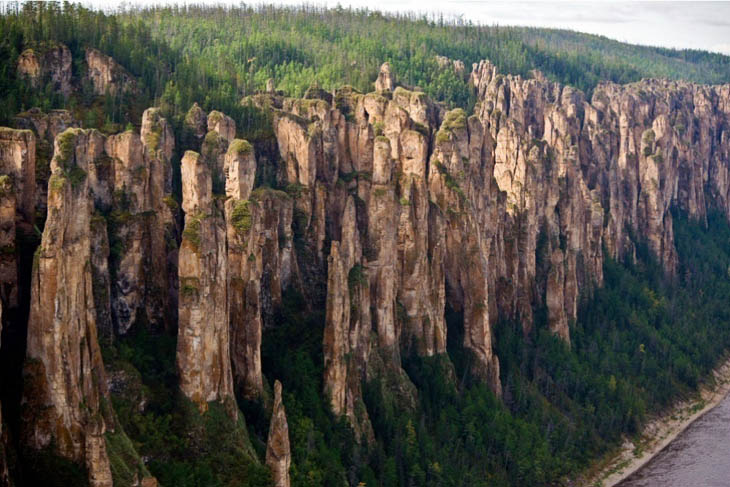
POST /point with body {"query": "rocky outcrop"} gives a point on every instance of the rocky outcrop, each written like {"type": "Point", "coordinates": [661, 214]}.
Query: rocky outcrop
{"type": "Point", "coordinates": [107, 75]}
{"type": "Point", "coordinates": [143, 230]}
{"type": "Point", "coordinates": [260, 261]}
{"type": "Point", "coordinates": [203, 358]}
{"type": "Point", "coordinates": [47, 63]}
{"type": "Point", "coordinates": [17, 161]}
{"type": "Point", "coordinates": [386, 79]}
{"type": "Point", "coordinates": [17, 206]}
{"type": "Point", "coordinates": [46, 127]}
{"type": "Point", "coordinates": [278, 453]}
{"type": "Point", "coordinates": [407, 209]}
{"type": "Point", "coordinates": [195, 125]}
{"type": "Point", "coordinates": [222, 124]}
{"type": "Point", "coordinates": [454, 64]}
{"type": "Point", "coordinates": [66, 402]}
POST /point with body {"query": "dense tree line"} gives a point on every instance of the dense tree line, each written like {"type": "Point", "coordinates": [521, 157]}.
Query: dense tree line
{"type": "Point", "coordinates": [215, 55]}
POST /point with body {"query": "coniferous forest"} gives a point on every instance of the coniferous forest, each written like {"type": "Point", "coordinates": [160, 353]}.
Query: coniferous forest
{"type": "Point", "coordinates": [639, 342]}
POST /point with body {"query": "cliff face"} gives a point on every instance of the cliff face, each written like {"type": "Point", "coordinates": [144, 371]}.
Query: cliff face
{"type": "Point", "coordinates": [106, 75]}
{"type": "Point", "coordinates": [140, 198]}
{"type": "Point", "coordinates": [260, 261]}
{"type": "Point", "coordinates": [203, 358]}
{"type": "Point", "coordinates": [84, 290]}
{"type": "Point", "coordinates": [65, 396]}
{"type": "Point", "coordinates": [47, 63]}
{"type": "Point", "coordinates": [278, 453]}
{"type": "Point", "coordinates": [410, 208]}
{"type": "Point", "coordinates": [46, 127]}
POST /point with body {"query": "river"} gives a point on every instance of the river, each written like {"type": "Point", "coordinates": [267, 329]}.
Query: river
{"type": "Point", "coordinates": [698, 457]}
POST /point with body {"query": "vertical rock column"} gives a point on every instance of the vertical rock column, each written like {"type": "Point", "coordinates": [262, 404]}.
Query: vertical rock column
{"type": "Point", "coordinates": [278, 453]}
{"type": "Point", "coordinates": [203, 358]}
{"type": "Point", "coordinates": [260, 261]}
{"type": "Point", "coordinates": [143, 223]}
{"type": "Point", "coordinates": [245, 274]}
{"type": "Point", "coordinates": [65, 394]}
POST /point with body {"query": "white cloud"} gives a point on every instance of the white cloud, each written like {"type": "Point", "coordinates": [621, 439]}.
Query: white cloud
{"type": "Point", "coordinates": [721, 48]}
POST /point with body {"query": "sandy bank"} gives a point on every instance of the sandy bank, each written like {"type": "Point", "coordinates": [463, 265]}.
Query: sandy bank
{"type": "Point", "coordinates": [659, 432]}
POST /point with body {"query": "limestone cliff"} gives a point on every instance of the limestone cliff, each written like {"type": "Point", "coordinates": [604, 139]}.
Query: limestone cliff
{"type": "Point", "coordinates": [46, 127]}
{"type": "Point", "coordinates": [17, 206]}
{"type": "Point", "coordinates": [47, 63]}
{"type": "Point", "coordinates": [391, 210]}
{"type": "Point", "coordinates": [410, 208]}
{"type": "Point", "coordinates": [65, 397]}
{"type": "Point", "coordinates": [203, 357]}
{"type": "Point", "coordinates": [278, 453]}
{"type": "Point", "coordinates": [260, 261]}
{"type": "Point", "coordinates": [107, 75]}
{"type": "Point", "coordinates": [142, 208]}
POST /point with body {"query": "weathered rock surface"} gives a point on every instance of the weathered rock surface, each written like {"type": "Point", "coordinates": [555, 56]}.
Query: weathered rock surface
{"type": "Point", "coordinates": [278, 453]}
{"type": "Point", "coordinates": [196, 123]}
{"type": "Point", "coordinates": [386, 79]}
{"type": "Point", "coordinates": [144, 227]}
{"type": "Point", "coordinates": [66, 402]}
{"type": "Point", "coordinates": [107, 75]}
{"type": "Point", "coordinates": [18, 162]}
{"type": "Point", "coordinates": [47, 63]}
{"type": "Point", "coordinates": [203, 357]}
{"type": "Point", "coordinates": [46, 127]}
{"type": "Point", "coordinates": [260, 261]}
{"type": "Point", "coordinates": [494, 215]}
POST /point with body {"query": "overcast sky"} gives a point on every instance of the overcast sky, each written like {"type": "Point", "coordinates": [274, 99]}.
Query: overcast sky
{"type": "Point", "coordinates": [698, 25]}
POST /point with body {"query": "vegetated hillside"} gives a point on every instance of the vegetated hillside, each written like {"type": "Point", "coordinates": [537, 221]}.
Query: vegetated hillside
{"type": "Point", "coordinates": [216, 55]}
{"type": "Point", "coordinates": [487, 282]}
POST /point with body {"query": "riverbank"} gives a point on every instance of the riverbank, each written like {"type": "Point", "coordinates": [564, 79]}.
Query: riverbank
{"type": "Point", "coordinates": [658, 433]}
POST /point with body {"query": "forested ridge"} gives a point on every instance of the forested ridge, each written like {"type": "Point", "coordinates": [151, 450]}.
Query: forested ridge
{"type": "Point", "coordinates": [641, 341]}
{"type": "Point", "coordinates": [216, 55]}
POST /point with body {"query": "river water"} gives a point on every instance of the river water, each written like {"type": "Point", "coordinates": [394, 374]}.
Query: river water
{"type": "Point", "coordinates": [699, 457]}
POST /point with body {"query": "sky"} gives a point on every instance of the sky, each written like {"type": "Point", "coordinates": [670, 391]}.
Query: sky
{"type": "Point", "coordinates": [695, 25]}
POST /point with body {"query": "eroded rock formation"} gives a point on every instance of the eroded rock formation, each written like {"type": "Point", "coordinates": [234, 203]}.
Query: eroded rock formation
{"type": "Point", "coordinates": [66, 402]}
{"type": "Point", "coordinates": [495, 215]}
{"type": "Point", "coordinates": [278, 453]}
{"type": "Point", "coordinates": [391, 210]}
{"type": "Point", "coordinates": [140, 199]}
{"type": "Point", "coordinates": [203, 358]}
{"type": "Point", "coordinates": [47, 63]}
{"type": "Point", "coordinates": [107, 75]}
{"type": "Point", "coordinates": [46, 127]}
{"type": "Point", "coordinates": [260, 260]}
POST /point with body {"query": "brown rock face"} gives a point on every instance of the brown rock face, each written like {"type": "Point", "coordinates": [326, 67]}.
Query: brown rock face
{"type": "Point", "coordinates": [203, 358]}
{"type": "Point", "coordinates": [106, 75]}
{"type": "Point", "coordinates": [18, 161]}
{"type": "Point", "coordinates": [46, 127]}
{"type": "Point", "coordinates": [65, 396]}
{"type": "Point", "coordinates": [17, 212]}
{"type": "Point", "coordinates": [141, 189]}
{"type": "Point", "coordinates": [386, 79]}
{"type": "Point", "coordinates": [196, 123]}
{"type": "Point", "coordinates": [47, 63]}
{"type": "Point", "coordinates": [260, 261]}
{"type": "Point", "coordinates": [222, 124]}
{"type": "Point", "coordinates": [278, 453]}
{"type": "Point", "coordinates": [407, 209]}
